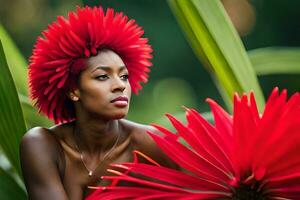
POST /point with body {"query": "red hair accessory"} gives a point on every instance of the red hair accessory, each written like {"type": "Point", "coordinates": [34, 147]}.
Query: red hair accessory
{"type": "Point", "coordinates": [60, 56]}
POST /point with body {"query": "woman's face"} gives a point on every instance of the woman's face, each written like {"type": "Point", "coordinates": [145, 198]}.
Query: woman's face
{"type": "Point", "coordinates": [104, 90]}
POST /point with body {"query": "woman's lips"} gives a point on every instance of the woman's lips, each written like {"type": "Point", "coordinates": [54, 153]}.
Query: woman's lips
{"type": "Point", "coordinates": [121, 101]}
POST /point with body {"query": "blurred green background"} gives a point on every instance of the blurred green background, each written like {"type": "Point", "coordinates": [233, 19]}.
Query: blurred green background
{"type": "Point", "coordinates": [177, 77]}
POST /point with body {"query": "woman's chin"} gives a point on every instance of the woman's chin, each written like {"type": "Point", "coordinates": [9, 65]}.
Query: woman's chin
{"type": "Point", "coordinates": [118, 115]}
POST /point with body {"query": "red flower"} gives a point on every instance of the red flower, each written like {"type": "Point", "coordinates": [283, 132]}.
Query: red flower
{"type": "Point", "coordinates": [59, 57]}
{"type": "Point", "coordinates": [244, 156]}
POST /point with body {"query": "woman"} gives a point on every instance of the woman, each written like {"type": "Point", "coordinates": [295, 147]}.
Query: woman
{"type": "Point", "coordinates": [81, 76]}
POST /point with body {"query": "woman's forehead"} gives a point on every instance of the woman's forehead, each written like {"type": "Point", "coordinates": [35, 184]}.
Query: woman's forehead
{"type": "Point", "coordinates": [105, 58]}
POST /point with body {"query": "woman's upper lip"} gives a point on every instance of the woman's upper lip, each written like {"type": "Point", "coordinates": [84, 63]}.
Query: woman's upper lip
{"type": "Point", "coordinates": [120, 98]}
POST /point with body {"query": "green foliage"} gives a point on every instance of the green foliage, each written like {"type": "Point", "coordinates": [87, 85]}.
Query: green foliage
{"type": "Point", "coordinates": [9, 189]}
{"type": "Point", "coordinates": [217, 44]}
{"type": "Point", "coordinates": [16, 62]}
{"type": "Point", "coordinates": [31, 115]}
{"type": "Point", "coordinates": [13, 78]}
{"type": "Point", "coordinates": [158, 100]}
{"type": "Point", "coordinates": [12, 124]}
{"type": "Point", "coordinates": [275, 60]}
{"type": "Point", "coordinates": [17, 66]}
{"type": "Point", "coordinates": [214, 41]}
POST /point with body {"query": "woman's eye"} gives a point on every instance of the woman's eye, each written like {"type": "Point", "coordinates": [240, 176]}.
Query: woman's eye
{"type": "Point", "coordinates": [124, 77]}
{"type": "Point", "coordinates": [102, 77]}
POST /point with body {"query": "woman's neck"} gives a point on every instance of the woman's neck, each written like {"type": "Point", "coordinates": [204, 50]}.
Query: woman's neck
{"type": "Point", "coordinates": [92, 136]}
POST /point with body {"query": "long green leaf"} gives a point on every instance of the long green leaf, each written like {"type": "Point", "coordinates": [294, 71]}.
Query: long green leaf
{"type": "Point", "coordinates": [12, 125]}
{"type": "Point", "coordinates": [16, 62]}
{"type": "Point", "coordinates": [18, 68]}
{"type": "Point", "coordinates": [9, 188]}
{"type": "Point", "coordinates": [32, 117]}
{"type": "Point", "coordinates": [275, 60]}
{"type": "Point", "coordinates": [217, 44]}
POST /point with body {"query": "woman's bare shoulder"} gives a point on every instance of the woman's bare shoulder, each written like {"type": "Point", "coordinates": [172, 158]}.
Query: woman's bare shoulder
{"type": "Point", "coordinates": [39, 140]}
{"type": "Point", "coordinates": [37, 135]}
{"type": "Point", "coordinates": [43, 139]}
{"type": "Point", "coordinates": [39, 158]}
{"type": "Point", "coordinates": [144, 143]}
{"type": "Point", "coordinates": [138, 132]}
{"type": "Point", "coordinates": [43, 135]}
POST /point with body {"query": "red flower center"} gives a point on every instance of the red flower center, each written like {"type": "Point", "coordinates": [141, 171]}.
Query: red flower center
{"type": "Point", "coordinates": [248, 192]}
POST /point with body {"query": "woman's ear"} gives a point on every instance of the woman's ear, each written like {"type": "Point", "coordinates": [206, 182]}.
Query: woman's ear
{"type": "Point", "coordinates": [74, 95]}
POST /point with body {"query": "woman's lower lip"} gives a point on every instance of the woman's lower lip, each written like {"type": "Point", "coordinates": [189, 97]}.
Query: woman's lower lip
{"type": "Point", "coordinates": [120, 103]}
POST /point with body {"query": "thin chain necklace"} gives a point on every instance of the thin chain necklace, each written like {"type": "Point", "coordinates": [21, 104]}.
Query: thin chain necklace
{"type": "Point", "coordinates": [91, 172]}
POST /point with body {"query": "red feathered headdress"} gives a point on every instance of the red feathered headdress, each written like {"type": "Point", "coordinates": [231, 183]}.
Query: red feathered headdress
{"type": "Point", "coordinates": [60, 55]}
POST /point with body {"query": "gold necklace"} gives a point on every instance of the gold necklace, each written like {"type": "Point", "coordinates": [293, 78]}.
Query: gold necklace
{"type": "Point", "coordinates": [91, 172]}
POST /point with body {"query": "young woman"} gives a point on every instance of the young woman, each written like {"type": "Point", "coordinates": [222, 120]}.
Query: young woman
{"type": "Point", "coordinates": [81, 75]}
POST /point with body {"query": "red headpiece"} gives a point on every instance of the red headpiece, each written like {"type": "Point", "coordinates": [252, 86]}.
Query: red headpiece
{"type": "Point", "coordinates": [59, 57]}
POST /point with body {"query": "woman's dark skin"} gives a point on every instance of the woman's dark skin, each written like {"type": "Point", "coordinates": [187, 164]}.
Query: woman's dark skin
{"type": "Point", "coordinates": [51, 163]}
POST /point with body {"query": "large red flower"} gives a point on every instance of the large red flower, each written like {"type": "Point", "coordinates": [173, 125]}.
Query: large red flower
{"type": "Point", "coordinates": [245, 156]}
{"type": "Point", "coordinates": [60, 55]}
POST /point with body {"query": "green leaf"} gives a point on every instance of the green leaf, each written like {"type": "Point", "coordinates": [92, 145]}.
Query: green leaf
{"type": "Point", "coordinates": [9, 188]}
{"type": "Point", "coordinates": [16, 62]}
{"type": "Point", "coordinates": [12, 125]}
{"type": "Point", "coordinates": [275, 60]}
{"type": "Point", "coordinates": [18, 68]}
{"type": "Point", "coordinates": [219, 47]}
{"type": "Point", "coordinates": [31, 115]}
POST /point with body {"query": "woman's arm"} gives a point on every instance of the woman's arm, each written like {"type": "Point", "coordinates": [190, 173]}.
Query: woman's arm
{"type": "Point", "coordinates": [39, 161]}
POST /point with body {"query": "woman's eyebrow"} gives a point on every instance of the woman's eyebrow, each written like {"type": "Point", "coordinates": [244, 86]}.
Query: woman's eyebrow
{"type": "Point", "coordinates": [107, 68]}
{"type": "Point", "coordinates": [122, 68]}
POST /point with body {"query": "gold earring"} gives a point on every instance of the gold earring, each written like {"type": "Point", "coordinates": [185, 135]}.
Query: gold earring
{"type": "Point", "coordinates": [74, 98]}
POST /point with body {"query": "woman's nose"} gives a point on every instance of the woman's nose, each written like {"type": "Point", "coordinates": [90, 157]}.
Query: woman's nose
{"type": "Point", "coordinates": [118, 85]}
